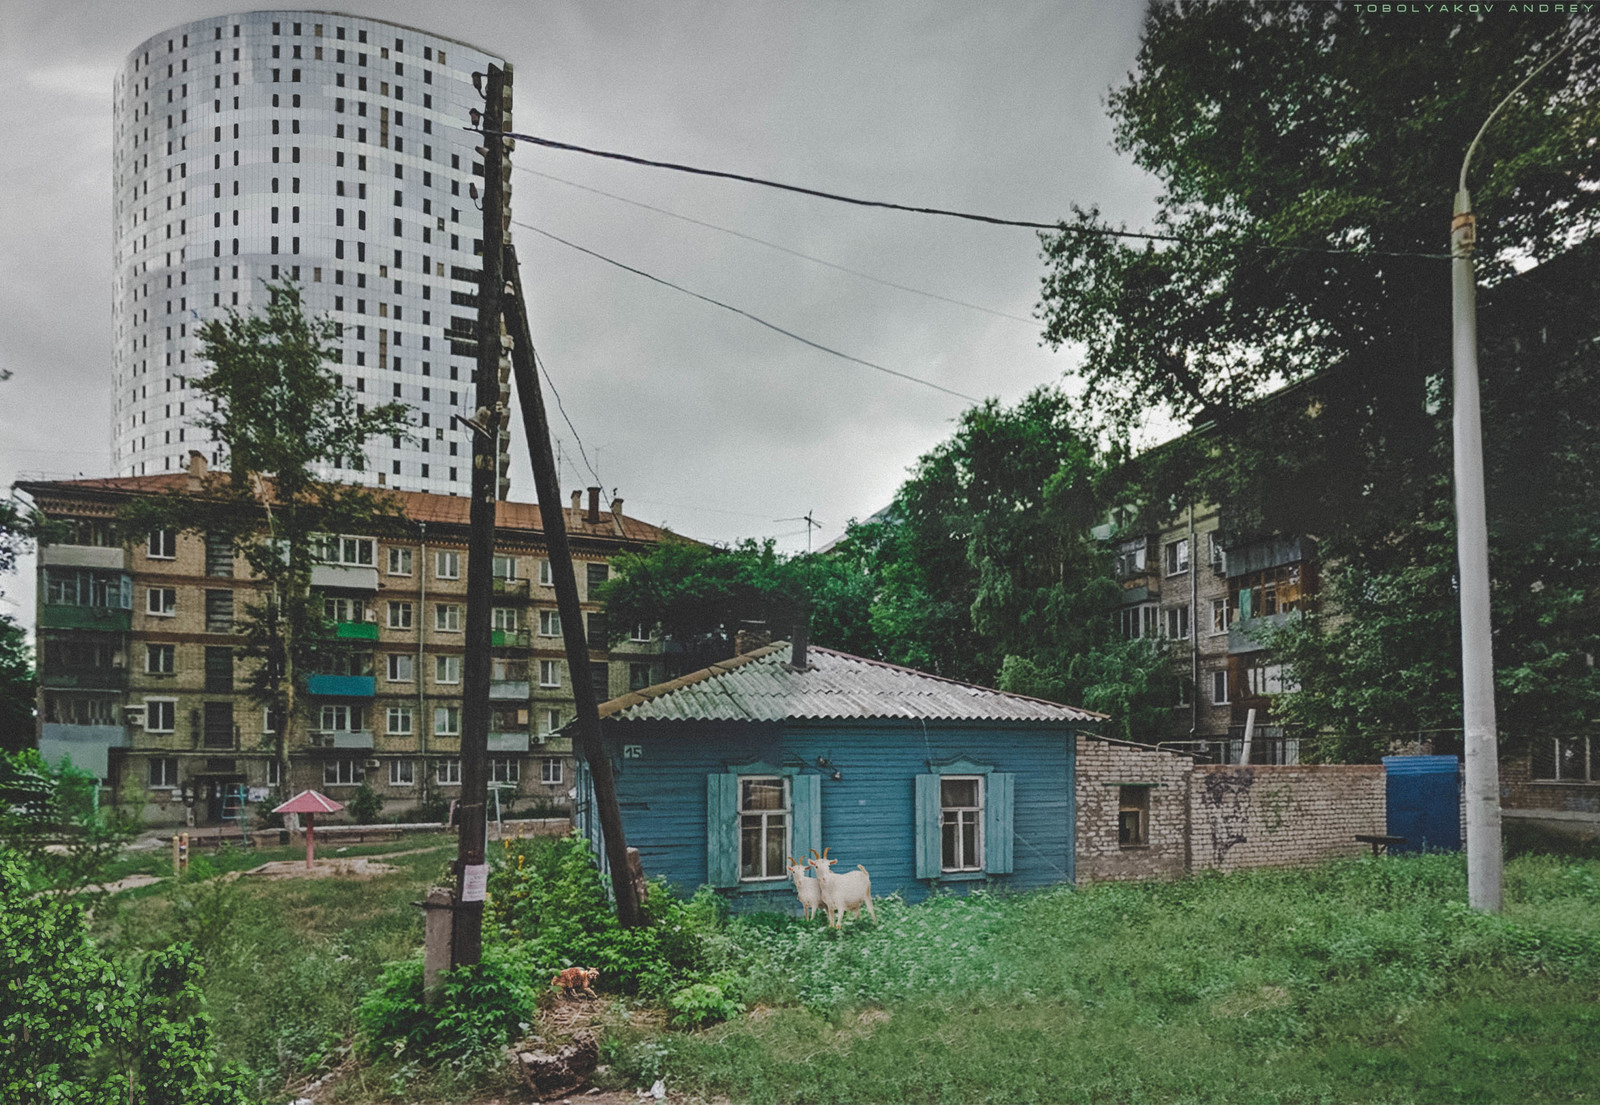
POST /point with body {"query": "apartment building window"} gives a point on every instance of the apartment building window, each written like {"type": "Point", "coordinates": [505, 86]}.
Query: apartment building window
{"type": "Point", "coordinates": [1262, 678]}
{"type": "Point", "coordinates": [545, 578]}
{"type": "Point", "coordinates": [600, 679]}
{"type": "Point", "coordinates": [1177, 556]}
{"type": "Point", "coordinates": [160, 715]}
{"type": "Point", "coordinates": [550, 771]}
{"type": "Point", "coordinates": [402, 773]}
{"type": "Point", "coordinates": [219, 669]}
{"type": "Point", "coordinates": [1220, 620]}
{"type": "Point", "coordinates": [549, 623]}
{"type": "Point", "coordinates": [1177, 623]}
{"type": "Point", "coordinates": [598, 574]}
{"type": "Point", "coordinates": [340, 717]}
{"type": "Point", "coordinates": [504, 769]}
{"type": "Point", "coordinates": [549, 722]}
{"type": "Point", "coordinates": [599, 629]}
{"type": "Point", "coordinates": [503, 618]}
{"type": "Point", "coordinates": [163, 545]}
{"type": "Point", "coordinates": [447, 565]}
{"type": "Point", "coordinates": [219, 555]}
{"type": "Point", "coordinates": [218, 728]}
{"type": "Point", "coordinates": [397, 721]}
{"type": "Point", "coordinates": [219, 611]}
{"type": "Point", "coordinates": [1567, 759]}
{"type": "Point", "coordinates": [402, 667]}
{"type": "Point", "coordinates": [505, 567]}
{"type": "Point", "coordinates": [1265, 593]}
{"type": "Point", "coordinates": [274, 773]}
{"type": "Point", "coordinates": [342, 773]}
{"type": "Point", "coordinates": [549, 673]}
{"type": "Point", "coordinates": [399, 561]}
{"type": "Point", "coordinates": [400, 615]}
{"type": "Point", "coordinates": [447, 617]}
{"type": "Point", "coordinates": [338, 609]}
{"type": "Point", "coordinates": [1131, 556]}
{"type": "Point", "coordinates": [447, 669]}
{"type": "Point", "coordinates": [639, 634]}
{"type": "Point", "coordinates": [160, 659]}
{"type": "Point", "coordinates": [447, 721]}
{"type": "Point", "coordinates": [1219, 688]}
{"type": "Point", "coordinates": [448, 773]}
{"type": "Point", "coordinates": [1217, 554]}
{"type": "Point", "coordinates": [163, 772]}
{"type": "Point", "coordinates": [1139, 621]}
{"type": "Point", "coordinates": [355, 551]}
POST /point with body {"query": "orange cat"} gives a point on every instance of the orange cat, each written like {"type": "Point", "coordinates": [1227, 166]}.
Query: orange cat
{"type": "Point", "coordinates": [574, 979]}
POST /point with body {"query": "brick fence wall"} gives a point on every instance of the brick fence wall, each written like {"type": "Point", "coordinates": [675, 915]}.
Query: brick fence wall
{"type": "Point", "coordinates": [1105, 767]}
{"type": "Point", "coordinates": [1281, 815]}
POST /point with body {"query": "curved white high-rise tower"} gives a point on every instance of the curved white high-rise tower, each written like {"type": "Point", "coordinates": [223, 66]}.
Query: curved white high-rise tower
{"type": "Point", "coordinates": [325, 147]}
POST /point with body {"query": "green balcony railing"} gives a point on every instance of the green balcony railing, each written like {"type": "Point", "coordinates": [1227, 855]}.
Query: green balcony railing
{"type": "Point", "coordinates": [356, 631]}
{"type": "Point", "coordinates": [510, 638]}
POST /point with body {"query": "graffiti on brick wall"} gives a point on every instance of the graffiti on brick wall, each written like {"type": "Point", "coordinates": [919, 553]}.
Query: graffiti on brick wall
{"type": "Point", "coordinates": [1224, 796]}
{"type": "Point", "coordinates": [1275, 805]}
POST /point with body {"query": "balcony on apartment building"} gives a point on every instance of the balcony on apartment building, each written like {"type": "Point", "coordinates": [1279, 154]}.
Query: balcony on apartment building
{"type": "Point", "coordinates": [508, 680]}
{"type": "Point", "coordinates": [77, 597]}
{"type": "Point", "coordinates": [341, 738]}
{"type": "Point", "coordinates": [510, 588]}
{"type": "Point", "coordinates": [106, 557]}
{"type": "Point", "coordinates": [344, 577]}
{"type": "Point", "coordinates": [342, 686]}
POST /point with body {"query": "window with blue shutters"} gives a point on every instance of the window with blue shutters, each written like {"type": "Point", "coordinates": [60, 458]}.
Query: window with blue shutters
{"type": "Point", "coordinates": [758, 815]}
{"type": "Point", "coordinates": [964, 813]}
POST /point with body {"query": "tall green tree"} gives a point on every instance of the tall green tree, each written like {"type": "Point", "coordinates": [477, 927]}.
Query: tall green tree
{"type": "Point", "coordinates": [1309, 155]}
{"type": "Point", "coordinates": [283, 415]}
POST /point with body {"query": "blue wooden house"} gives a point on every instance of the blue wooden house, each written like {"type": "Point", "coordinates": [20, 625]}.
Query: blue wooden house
{"type": "Point", "coordinates": [927, 782]}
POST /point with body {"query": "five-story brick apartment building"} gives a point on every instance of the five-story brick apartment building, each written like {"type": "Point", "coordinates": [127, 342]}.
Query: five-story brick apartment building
{"type": "Point", "coordinates": [141, 678]}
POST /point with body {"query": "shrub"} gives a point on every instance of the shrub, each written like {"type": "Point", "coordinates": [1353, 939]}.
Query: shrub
{"type": "Point", "coordinates": [366, 804]}
{"type": "Point", "coordinates": [700, 1004]}
{"type": "Point", "coordinates": [480, 1008]}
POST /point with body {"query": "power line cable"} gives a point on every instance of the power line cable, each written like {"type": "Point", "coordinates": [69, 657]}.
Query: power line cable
{"type": "Point", "coordinates": [994, 220]}
{"type": "Point", "coordinates": [538, 360]}
{"type": "Point", "coordinates": [746, 314]}
{"type": "Point", "coordinates": [781, 248]}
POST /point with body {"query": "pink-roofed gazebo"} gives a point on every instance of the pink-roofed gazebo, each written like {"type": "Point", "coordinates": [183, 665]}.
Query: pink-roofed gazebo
{"type": "Point", "coordinates": [310, 803]}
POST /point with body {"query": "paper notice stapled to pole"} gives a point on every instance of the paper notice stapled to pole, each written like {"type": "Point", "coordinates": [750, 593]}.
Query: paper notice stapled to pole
{"type": "Point", "coordinates": [474, 882]}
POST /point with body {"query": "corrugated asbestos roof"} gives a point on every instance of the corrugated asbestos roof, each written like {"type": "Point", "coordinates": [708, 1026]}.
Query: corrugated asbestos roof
{"type": "Point", "coordinates": [764, 686]}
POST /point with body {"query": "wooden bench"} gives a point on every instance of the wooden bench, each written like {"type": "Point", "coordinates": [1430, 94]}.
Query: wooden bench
{"type": "Point", "coordinates": [1379, 841]}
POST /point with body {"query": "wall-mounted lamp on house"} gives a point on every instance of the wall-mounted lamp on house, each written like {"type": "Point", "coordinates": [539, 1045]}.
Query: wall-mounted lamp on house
{"type": "Point", "coordinates": [824, 762]}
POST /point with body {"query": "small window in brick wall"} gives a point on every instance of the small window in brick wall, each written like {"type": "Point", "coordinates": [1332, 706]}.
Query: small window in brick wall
{"type": "Point", "coordinates": [1133, 816]}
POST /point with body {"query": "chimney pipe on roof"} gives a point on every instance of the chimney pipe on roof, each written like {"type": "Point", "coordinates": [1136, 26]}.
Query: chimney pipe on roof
{"type": "Point", "coordinates": [616, 516]}
{"type": "Point", "coordinates": [594, 507]}
{"type": "Point", "coordinates": [797, 659]}
{"type": "Point", "coordinates": [577, 508]}
{"type": "Point", "coordinates": [197, 469]}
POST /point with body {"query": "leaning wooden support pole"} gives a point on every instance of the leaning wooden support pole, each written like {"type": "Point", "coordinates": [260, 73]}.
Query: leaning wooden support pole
{"type": "Point", "coordinates": [548, 487]}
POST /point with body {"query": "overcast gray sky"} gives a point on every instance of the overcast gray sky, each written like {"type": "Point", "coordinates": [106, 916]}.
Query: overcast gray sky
{"type": "Point", "coordinates": [702, 421]}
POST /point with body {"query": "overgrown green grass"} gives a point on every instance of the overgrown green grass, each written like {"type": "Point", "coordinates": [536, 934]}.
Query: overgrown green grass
{"type": "Point", "coordinates": [286, 961]}
{"type": "Point", "coordinates": [1366, 980]}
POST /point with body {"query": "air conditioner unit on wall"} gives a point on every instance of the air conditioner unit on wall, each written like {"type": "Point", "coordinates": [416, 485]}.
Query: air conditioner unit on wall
{"type": "Point", "coordinates": [372, 616]}
{"type": "Point", "coordinates": [372, 765]}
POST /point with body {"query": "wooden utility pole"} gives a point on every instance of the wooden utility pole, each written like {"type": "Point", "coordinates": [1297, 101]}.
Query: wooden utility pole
{"type": "Point", "coordinates": [548, 486]}
{"type": "Point", "coordinates": [471, 868]}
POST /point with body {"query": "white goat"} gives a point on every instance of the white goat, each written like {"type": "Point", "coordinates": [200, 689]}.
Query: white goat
{"type": "Point", "coordinates": [808, 889]}
{"type": "Point", "coordinates": [849, 891]}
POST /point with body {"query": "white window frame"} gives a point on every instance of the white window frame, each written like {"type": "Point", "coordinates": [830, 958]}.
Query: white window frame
{"type": "Point", "coordinates": [549, 673]}
{"type": "Point", "coordinates": [340, 608]}
{"type": "Point", "coordinates": [963, 864]}
{"type": "Point", "coordinates": [447, 669]}
{"type": "Point", "coordinates": [400, 615]}
{"type": "Point", "coordinates": [1221, 617]}
{"type": "Point", "coordinates": [154, 707]}
{"type": "Point", "coordinates": [764, 827]}
{"type": "Point", "coordinates": [274, 773]}
{"type": "Point", "coordinates": [1175, 622]}
{"type": "Point", "coordinates": [447, 721]}
{"type": "Point", "coordinates": [546, 579]}
{"type": "Point", "coordinates": [505, 769]}
{"type": "Point", "coordinates": [549, 623]}
{"type": "Point", "coordinates": [507, 562]}
{"type": "Point", "coordinates": [549, 722]}
{"type": "Point", "coordinates": [342, 773]}
{"type": "Point", "coordinates": [1175, 557]}
{"type": "Point", "coordinates": [550, 773]}
{"type": "Point", "coordinates": [503, 618]}
{"type": "Point", "coordinates": [447, 773]}
{"type": "Point", "coordinates": [1144, 619]}
{"type": "Point", "coordinates": [397, 721]}
{"type": "Point", "coordinates": [446, 564]}
{"type": "Point", "coordinates": [162, 544]}
{"type": "Point", "coordinates": [340, 717]}
{"type": "Point", "coordinates": [168, 772]}
{"type": "Point", "coordinates": [402, 773]}
{"type": "Point", "coordinates": [447, 617]}
{"type": "Point", "coordinates": [399, 562]}
{"type": "Point", "coordinates": [402, 668]}
{"type": "Point", "coordinates": [161, 602]}
{"type": "Point", "coordinates": [169, 652]}
{"type": "Point", "coordinates": [360, 552]}
{"type": "Point", "coordinates": [1219, 682]}
{"type": "Point", "coordinates": [639, 634]}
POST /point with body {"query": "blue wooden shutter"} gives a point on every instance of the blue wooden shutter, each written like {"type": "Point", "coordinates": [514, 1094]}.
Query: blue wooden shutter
{"type": "Point", "coordinates": [806, 833]}
{"type": "Point", "coordinates": [927, 831]}
{"type": "Point", "coordinates": [722, 830]}
{"type": "Point", "coordinates": [998, 810]}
